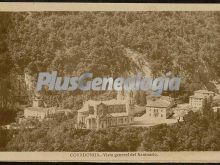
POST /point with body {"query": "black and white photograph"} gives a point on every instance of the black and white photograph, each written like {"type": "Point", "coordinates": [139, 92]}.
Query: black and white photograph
{"type": "Point", "coordinates": [109, 82]}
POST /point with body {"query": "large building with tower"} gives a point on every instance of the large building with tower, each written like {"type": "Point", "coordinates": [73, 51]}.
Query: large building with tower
{"type": "Point", "coordinates": [104, 114]}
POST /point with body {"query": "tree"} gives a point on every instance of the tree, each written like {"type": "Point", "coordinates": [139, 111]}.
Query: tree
{"type": "Point", "coordinates": [5, 62]}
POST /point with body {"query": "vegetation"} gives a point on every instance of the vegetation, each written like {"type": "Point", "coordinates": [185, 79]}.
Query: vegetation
{"type": "Point", "coordinates": [74, 42]}
{"type": "Point", "coordinates": [5, 63]}
{"type": "Point", "coordinates": [185, 43]}
{"type": "Point", "coordinates": [196, 133]}
{"type": "Point", "coordinates": [7, 116]}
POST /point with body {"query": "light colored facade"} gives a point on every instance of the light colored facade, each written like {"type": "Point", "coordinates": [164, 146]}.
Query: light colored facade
{"type": "Point", "coordinates": [216, 109]}
{"type": "Point", "coordinates": [167, 98]}
{"type": "Point", "coordinates": [158, 109]}
{"type": "Point", "coordinates": [37, 102]}
{"type": "Point", "coordinates": [200, 98]}
{"type": "Point", "coordinates": [38, 112]}
{"type": "Point", "coordinates": [181, 110]}
{"type": "Point", "coordinates": [197, 101]}
{"type": "Point", "coordinates": [42, 113]}
{"type": "Point", "coordinates": [216, 100]}
{"type": "Point", "coordinates": [205, 93]}
{"type": "Point", "coordinates": [104, 114]}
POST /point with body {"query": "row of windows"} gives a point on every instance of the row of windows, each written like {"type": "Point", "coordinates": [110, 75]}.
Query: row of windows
{"type": "Point", "coordinates": [116, 108]}
{"type": "Point", "coordinates": [156, 115]}
{"type": "Point", "coordinates": [115, 121]}
{"type": "Point", "coordinates": [112, 109]}
{"type": "Point", "coordinates": [156, 110]}
{"type": "Point", "coordinates": [196, 100]}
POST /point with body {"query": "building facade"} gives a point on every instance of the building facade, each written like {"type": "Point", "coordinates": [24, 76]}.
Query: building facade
{"type": "Point", "coordinates": [197, 101]}
{"type": "Point", "coordinates": [104, 114]}
{"type": "Point", "coordinates": [216, 109]}
{"type": "Point", "coordinates": [158, 109]}
{"type": "Point", "coordinates": [38, 112]}
{"type": "Point", "coordinates": [200, 98]}
{"type": "Point", "coordinates": [205, 93]}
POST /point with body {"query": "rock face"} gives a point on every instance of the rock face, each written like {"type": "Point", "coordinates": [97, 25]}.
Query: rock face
{"type": "Point", "coordinates": [141, 63]}
{"type": "Point", "coordinates": [29, 81]}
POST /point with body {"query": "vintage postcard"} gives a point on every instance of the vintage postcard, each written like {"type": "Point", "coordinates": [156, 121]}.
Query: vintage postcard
{"type": "Point", "coordinates": [109, 82]}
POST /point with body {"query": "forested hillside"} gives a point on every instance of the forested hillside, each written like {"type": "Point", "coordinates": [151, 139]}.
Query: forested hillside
{"type": "Point", "coordinates": [185, 43]}
{"type": "Point", "coordinates": [108, 44]}
{"type": "Point", "coordinates": [75, 42]}
{"type": "Point", "coordinates": [5, 61]}
{"type": "Point", "coordinates": [196, 133]}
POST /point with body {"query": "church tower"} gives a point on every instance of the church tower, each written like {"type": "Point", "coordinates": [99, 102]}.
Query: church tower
{"type": "Point", "coordinates": [127, 96]}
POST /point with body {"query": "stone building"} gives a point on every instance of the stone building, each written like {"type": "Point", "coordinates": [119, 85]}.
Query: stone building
{"type": "Point", "coordinates": [200, 98]}
{"type": "Point", "coordinates": [40, 112]}
{"type": "Point", "coordinates": [197, 101]}
{"type": "Point", "coordinates": [205, 93]}
{"type": "Point", "coordinates": [158, 109]}
{"type": "Point", "coordinates": [104, 114]}
{"type": "Point", "coordinates": [216, 109]}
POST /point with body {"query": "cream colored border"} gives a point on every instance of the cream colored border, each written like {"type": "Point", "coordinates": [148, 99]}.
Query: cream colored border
{"type": "Point", "coordinates": [106, 7]}
{"type": "Point", "coordinates": [201, 157]}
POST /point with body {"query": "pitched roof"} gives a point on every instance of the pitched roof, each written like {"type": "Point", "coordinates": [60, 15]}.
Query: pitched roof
{"type": "Point", "coordinates": [203, 91]}
{"type": "Point", "coordinates": [167, 98]}
{"type": "Point", "coordinates": [158, 103]}
{"type": "Point", "coordinates": [106, 102]}
{"type": "Point", "coordinates": [197, 96]}
{"type": "Point", "coordinates": [119, 114]}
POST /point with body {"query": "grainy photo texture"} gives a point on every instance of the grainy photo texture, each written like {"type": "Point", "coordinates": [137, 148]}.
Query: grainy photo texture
{"type": "Point", "coordinates": [113, 45]}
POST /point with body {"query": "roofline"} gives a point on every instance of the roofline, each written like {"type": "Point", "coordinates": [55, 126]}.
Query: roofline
{"type": "Point", "coordinates": [157, 106]}
{"type": "Point", "coordinates": [199, 91]}
{"type": "Point", "coordinates": [198, 97]}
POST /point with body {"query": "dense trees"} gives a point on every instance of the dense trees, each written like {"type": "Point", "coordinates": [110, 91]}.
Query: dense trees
{"type": "Point", "coordinates": [197, 133]}
{"type": "Point", "coordinates": [185, 43]}
{"type": "Point", "coordinates": [5, 62]}
{"type": "Point", "coordinates": [7, 114]}
{"type": "Point", "coordinates": [4, 136]}
{"type": "Point", "coordinates": [74, 42]}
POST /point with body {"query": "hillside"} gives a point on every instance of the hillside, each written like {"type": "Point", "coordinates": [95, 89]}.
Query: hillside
{"type": "Point", "coordinates": [108, 44]}
{"type": "Point", "coordinates": [138, 59]}
{"type": "Point", "coordinates": [116, 44]}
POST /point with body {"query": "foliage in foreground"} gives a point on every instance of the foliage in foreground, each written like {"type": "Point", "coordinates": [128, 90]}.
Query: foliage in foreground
{"type": "Point", "coordinates": [196, 133]}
